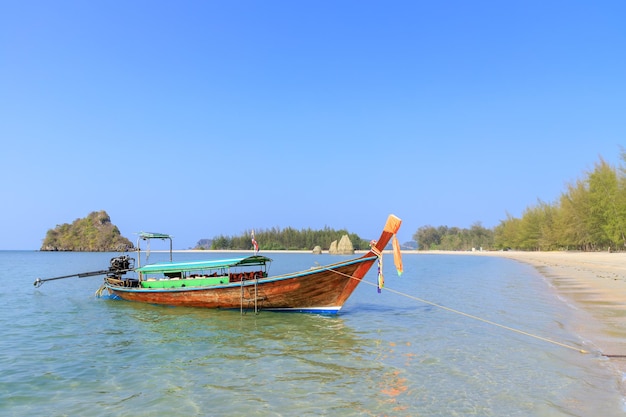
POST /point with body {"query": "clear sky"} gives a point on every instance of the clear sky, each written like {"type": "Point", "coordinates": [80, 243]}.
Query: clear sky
{"type": "Point", "coordinates": [200, 118]}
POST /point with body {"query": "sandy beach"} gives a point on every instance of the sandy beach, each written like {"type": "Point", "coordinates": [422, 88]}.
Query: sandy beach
{"type": "Point", "coordinates": [592, 282]}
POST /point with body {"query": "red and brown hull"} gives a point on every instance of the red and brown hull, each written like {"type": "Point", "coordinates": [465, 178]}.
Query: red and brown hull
{"type": "Point", "coordinates": [323, 289]}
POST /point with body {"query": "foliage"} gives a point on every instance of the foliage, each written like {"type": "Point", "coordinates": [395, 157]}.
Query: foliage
{"type": "Point", "coordinates": [589, 215]}
{"type": "Point", "coordinates": [94, 233]}
{"type": "Point", "coordinates": [286, 239]}
{"type": "Point", "coordinates": [204, 244]}
{"type": "Point", "coordinates": [453, 238]}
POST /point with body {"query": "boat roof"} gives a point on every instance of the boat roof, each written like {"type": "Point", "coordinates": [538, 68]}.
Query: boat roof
{"type": "Point", "coordinates": [210, 264]}
{"type": "Point", "coordinates": [149, 235]}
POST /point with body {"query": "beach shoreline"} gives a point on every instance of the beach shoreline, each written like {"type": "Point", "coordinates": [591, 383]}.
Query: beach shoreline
{"type": "Point", "coordinates": [593, 282]}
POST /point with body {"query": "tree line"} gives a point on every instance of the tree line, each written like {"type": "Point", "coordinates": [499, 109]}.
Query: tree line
{"type": "Point", "coordinates": [454, 238]}
{"type": "Point", "coordinates": [590, 215]}
{"type": "Point", "coordinates": [284, 239]}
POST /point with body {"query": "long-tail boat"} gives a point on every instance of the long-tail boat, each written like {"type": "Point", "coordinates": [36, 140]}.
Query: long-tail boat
{"type": "Point", "coordinates": [242, 283]}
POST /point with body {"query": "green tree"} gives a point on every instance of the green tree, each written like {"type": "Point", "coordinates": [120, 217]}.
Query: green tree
{"type": "Point", "coordinates": [506, 234]}
{"type": "Point", "coordinates": [573, 227]}
{"type": "Point", "coordinates": [589, 215]}
{"type": "Point", "coordinates": [606, 214]}
{"type": "Point", "coordinates": [428, 237]}
{"type": "Point", "coordinates": [454, 238]}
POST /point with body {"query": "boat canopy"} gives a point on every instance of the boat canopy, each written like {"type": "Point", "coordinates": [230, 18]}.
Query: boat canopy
{"type": "Point", "coordinates": [148, 235]}
{"type": "Point", "coordinates": [201, 265]}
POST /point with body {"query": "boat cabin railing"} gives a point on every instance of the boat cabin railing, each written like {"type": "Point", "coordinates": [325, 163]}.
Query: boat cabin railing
{"type": "Point", "coordinates": [147, 237]}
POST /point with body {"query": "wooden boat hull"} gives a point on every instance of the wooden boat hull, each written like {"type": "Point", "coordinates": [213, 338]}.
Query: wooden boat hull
{"type": "Point", "coordinates": [323, 290]}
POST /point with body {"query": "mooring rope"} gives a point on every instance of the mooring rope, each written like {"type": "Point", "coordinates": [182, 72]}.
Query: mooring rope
{"type": "Point", "coordinates": [471, 316]}
{"type": "Point", "coordinates": [100, 290]}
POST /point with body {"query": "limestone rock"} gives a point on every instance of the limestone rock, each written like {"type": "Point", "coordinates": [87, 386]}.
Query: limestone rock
{"type": "Point", "coordinates": [94, 233]}
{"type": "Point", "coordinates": [333, 248]}
{"type": "Point", "coordinates": [345, 246]}
{"type": "Point", "coordinates": [317, 250]}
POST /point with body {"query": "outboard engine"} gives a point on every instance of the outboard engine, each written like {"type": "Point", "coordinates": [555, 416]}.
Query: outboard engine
{"type": "Point", "coordinates": [121, 264]}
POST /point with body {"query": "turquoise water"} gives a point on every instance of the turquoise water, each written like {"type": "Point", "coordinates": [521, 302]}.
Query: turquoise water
{"type": "Point", "coordinates": [64, 352]}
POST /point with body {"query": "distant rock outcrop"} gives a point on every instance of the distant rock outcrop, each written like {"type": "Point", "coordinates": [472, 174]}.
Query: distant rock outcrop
{"type": "Point", "coordinates": [317, 250]}
{"type": "Point", "coordinates": [344, 247]}
{"type": "Point", "coordinates": [94, 233]}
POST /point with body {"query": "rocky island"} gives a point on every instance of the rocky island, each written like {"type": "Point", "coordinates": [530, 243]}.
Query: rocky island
{"type": "Point", "coordinates": [94, 233]}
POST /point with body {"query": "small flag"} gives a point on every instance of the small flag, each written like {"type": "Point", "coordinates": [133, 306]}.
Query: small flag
{"type": "Point", "coordinates": [256, 245]}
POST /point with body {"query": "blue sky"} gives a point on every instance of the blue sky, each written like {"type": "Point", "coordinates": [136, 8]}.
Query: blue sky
{"type": "Point", "coordinates": [216, 117]}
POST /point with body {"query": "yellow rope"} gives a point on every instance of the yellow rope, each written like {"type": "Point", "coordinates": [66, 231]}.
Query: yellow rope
{"type": "Point", "coordinates": [100, 291]}
{"type": "Point", "coordinates": [493, 323]}
{"type": "Point", "coordinates": [485, 320]}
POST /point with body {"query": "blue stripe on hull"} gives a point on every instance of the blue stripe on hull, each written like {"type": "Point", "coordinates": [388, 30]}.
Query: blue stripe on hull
{"type": "Point", "coordinates": [316, 310]}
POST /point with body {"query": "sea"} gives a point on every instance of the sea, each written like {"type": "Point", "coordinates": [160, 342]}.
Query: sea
{"type": "Point", "coordinates": [452, 336]}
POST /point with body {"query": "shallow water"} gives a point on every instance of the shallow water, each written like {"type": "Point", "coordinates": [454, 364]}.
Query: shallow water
{"type": "Point", "coordinates": [65, 352]}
